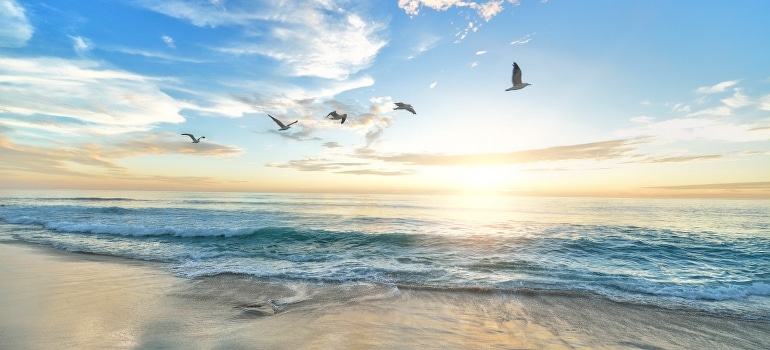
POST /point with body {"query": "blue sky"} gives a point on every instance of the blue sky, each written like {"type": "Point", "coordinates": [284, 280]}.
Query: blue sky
{"type": "Point", "coordinates": [628, 98]}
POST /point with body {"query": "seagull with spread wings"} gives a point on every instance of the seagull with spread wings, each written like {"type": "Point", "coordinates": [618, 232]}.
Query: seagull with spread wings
{"type": "Point", "coordinates": [336, 116]}
{"type": "Point", "coordinates": [405, 106]}
{"type": "Point", "coordinates": [194, 140]}
{"type": "Point", "coordinates": [516, 79]}
{"type": "Point", "coordinates": [280, 124]}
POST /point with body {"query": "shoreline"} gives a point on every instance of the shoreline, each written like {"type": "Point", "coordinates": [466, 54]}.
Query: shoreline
{"type": "Point", "coordinates": [54, 299]}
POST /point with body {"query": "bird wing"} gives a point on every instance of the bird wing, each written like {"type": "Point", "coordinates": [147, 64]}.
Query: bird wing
{"type": "Point", "coordinates": [191, 136]}
{"type": "Point", "coordinates": [516, 78]}
{"type": "Point", "coordinates": [276, 121]}
{"type": "Point", "coordinates": [344, 116]}
{"type": "Point", "coordinates": [400, 104]}
{"type": "Point", "coordinates": [292, 123]}
{"type": "Point", "coordinates": [411, 110]}
{"type": "Point", "coordinates": [332, 113]}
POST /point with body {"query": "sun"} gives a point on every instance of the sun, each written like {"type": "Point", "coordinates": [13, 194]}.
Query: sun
{"type": "Point", "coordinates": [481, 179]}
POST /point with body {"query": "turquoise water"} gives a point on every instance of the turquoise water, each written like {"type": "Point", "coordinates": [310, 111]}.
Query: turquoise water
{"type": "Point", "coordinates": [711, 256]}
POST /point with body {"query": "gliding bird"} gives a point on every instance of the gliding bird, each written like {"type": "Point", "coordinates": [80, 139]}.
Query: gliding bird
{"type": "Point", "coordinates": [516, 79]}
{"type": "Point", "coordinates": [337, 116]}
{"type": "Point", "coordinates": [405, 106]}
{"type": "Point", "coordinates": [194, 140]}
{"type": "Point", "coordinates": [282, 127]}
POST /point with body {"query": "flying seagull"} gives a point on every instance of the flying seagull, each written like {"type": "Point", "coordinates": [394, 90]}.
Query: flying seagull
{"type": "Point", "coordinates": [194, 139]}
{"type": "Point", "coordinates": [283, 127]}
{"type": "Point", "coordinates": [516, 79]}
{"type": "Point", "coordinates": [337, 116]}
{"type": "Point", "coordinates": [405, 106]}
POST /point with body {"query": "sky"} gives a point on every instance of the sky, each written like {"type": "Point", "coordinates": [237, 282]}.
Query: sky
{"type": "Point", "coordinates": [627, 98]}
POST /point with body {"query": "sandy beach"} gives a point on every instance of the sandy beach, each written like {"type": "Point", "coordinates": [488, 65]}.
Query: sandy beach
{"type": "Point", "coordinates": [59, 300]}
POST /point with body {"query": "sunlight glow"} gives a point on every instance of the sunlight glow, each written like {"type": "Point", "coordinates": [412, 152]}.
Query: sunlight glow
{"type": "Point", "coordinates": [481, 179]}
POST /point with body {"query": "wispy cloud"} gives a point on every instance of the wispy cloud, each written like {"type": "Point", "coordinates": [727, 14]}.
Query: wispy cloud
{"type": "Point", "coordinates": [478, 53]}
{"type": "Point", "coordinates": [85, 91]}
{"type": "Point", "coordinates": [710, 121]}
{"type": "Point", "coordinates": [427, 43]}
{"type": "Point", "coordinates": [67, 159]}
{"type": "Point", "coordinates": [163, 143]}
{"type": "Point", "coordinates": [523, 40]}
{"type": "Point", "coordinates": [80, 44]}
{"type": "Point", "coordinates": [597, 151]}
{"type": "Point", "coordinates": [169, 41]}
{"type": "Point", "coordinates": [683, 129]}
{"type": "Point", "coordinates": [677, 159]}
{"type": "Point", "coordinates": [15, 30]}
{"type": "Point", "coordinates": [316, 164]}
{"type": "Point", "coordinates": [378, 172]}
{"type": "Point", "coordinates": [462, 34]}
{"type": "Point", "coordinates": [303, 134]}
{"type": "Point", "coordinates": [642, 119]}
{"type": "Point", "coordinates": [681, 107]}
{"type": "Point", "coordinates": [272, 97]}
{"type": "Point", "coordinates": [760, 185]}
{"type": "Point", "coordinates": [317, 49]}
{"type": "Point", "coordinates": [719, 87]}
{"type": "Point", "coordinates": [764, 103]}
{"type": "Point", "coordinates": [368, 161]}
{"type": "Point", "coordinates": [152, 54]}
{"type": "Point", "coordinates": [736, 101]}
{"type": "Point", "coordinates": [339, 167]}
{"type": "Point", "coordinates": [309, 38]}
{"type": "Point", "coordinates": [485, 10]}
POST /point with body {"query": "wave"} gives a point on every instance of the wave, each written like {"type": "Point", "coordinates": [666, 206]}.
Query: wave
{"type": "Point", "coordinates": [131, 231]}
{"type": "Point", "coordinates": [81, 199]}
{"type": "Point", "coordinates": [710, 292]}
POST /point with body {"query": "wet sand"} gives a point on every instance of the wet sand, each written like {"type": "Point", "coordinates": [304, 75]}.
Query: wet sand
{"type": "Point", "coordinates": [59, 300]}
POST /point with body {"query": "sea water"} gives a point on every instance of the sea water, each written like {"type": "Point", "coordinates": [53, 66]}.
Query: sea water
{"type": "Point", "coordinates": [704, 255]}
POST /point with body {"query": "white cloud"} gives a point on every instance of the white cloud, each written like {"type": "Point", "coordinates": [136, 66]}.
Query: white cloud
{"type": "Point", "coordinates": [764, 103]}
{"type": "Point", "coordinates": [719, 111]}
{"type": "Point", "coordinates": [720, 87]}
{"type": "Point", "coordinates": [736, 101]}
{"type": "Point", "coordinates": [433, 84]}
{"type": "Point", "coordinates": [81, 44]}
{"type": "Point", "coordinates": [428, 43]}
{"type": "Point", "coordinates": [523, 40]}
{"type": "Point", "coordinates": [289, 98]}
{"type": "Point", "coordinates": [472, 27]}
{"type": "Point", "coordinates": [151, 54]}
{"type": "Point", "coordinates": [681, 107]}
{"type": "Point", "coordinates": [105, 100]}
{"type": "Point", "coordinates": [680, 129]}
{"type": "Point", "coordinates": [15, 30]}
{"type": "Point", "coordinates": [310, 38]}
{"type": "Point", "coordinates": [169, 41]}
{"type": "Point", "coordinates": [325, 51]}
{"type": "Point", "coordinates": [642, 119]}
{"type": "Point", "coordinates": [480, 52]}
{"type": "Point", "coordinates": [485, 10]}
{"type": "Point", "coordinates": [211, 14]}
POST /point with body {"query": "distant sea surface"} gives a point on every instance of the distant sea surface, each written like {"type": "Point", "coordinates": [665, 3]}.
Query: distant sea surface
{"type": "Point", "coordinates": [702, 255]}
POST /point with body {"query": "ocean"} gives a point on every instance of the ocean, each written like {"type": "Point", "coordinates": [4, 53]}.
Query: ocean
{"type": "Point", "coordinates": [702, 255]}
